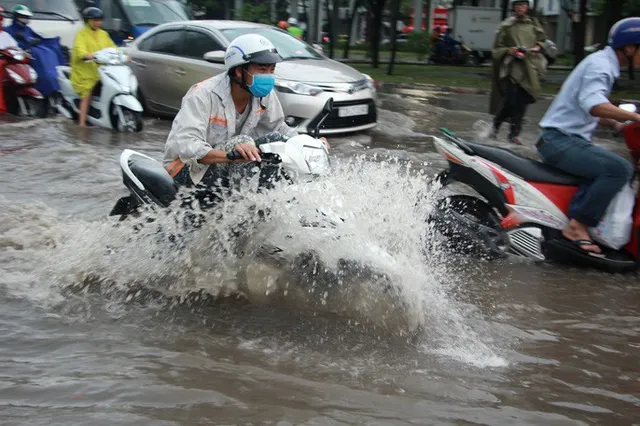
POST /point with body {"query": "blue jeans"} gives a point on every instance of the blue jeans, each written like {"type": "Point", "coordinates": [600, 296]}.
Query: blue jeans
{"type": "Point", "coordinates": [605, 173]}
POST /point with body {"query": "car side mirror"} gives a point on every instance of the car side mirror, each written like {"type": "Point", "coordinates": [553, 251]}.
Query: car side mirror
{"type": "Point", "coordinates": [116, 24]}
{"type": "Point", "coordinates": [628, 107]}
{"type": "Point", "coordinates": [215, 56]}
{"type": "Point", "coordinates": [328, 106]}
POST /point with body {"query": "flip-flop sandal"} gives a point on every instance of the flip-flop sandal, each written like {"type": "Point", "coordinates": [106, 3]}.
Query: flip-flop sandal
{"type": "Point", "coordinates": [578, 244]}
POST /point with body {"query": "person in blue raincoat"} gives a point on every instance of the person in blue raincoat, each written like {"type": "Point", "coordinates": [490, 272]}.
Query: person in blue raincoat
{"type": "Point", "coordinates": [46, 52]}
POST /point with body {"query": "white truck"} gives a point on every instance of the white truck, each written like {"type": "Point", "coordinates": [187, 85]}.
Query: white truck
{"type": "Point", "coordinates": [477, 28]}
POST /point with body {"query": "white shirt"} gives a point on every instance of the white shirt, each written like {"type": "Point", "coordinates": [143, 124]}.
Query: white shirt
{"type": "Point", "coordinates": [588, 85]}
{"type": "Point", "coordinates": [6, 40]}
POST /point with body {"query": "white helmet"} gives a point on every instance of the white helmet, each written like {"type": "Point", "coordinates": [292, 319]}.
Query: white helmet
{"type": "Point", "coordinates": [292, 21]}
{"type": "Point", "coordinates": [250, 49]}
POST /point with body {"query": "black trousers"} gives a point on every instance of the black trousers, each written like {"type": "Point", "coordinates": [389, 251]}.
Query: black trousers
{"type": "Point", "coordinates": [514, 106]}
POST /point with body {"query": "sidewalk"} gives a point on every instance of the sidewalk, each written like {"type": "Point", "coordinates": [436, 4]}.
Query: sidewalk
{"type": "Point", "coordinates": [358, 58]}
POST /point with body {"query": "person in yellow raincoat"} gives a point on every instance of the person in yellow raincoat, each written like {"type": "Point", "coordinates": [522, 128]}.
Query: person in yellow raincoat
{"type": "Point", "coordinates": [84, 75]}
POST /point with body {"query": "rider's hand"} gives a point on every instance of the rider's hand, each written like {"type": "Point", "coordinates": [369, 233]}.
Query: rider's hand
{"type": "Point", "coordinates": [326, 143]}
{"type": "Point", "coordinates": [618, 127]}
{"type": "Point", "coordinates": [248, 151]}
{"type": "Point", "coordinates": [87, 57]}
{"type": "Point", "coordinates": [513, 51]}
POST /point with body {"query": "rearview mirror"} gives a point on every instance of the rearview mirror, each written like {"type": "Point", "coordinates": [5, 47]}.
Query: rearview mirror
{"type": "Point", "coordinates": [116, 24]}
{"type": "Point", "coordinates": [215, 56]}
{"type": "Point", "coordinates": [628, 107]}
{"type": "Point", "coordinates": [328, 106]}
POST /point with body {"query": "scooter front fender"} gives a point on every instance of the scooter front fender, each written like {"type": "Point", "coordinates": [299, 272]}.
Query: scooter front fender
{"type": "Point", "coordinates": [29, 92]}
{"type": "Point", "coordinates": [128, 101]}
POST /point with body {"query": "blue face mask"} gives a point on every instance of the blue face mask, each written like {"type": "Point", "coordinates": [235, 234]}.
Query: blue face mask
{"type": "Point", "coordinates": [262, 84]}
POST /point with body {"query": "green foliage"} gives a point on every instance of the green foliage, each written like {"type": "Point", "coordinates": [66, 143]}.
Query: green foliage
{"type": "Point", "coordinates": [418, 42]}
{"type": "Point", "coordinates": [255, 13]}
{"type": "Point", "coordinates": [629, 8]}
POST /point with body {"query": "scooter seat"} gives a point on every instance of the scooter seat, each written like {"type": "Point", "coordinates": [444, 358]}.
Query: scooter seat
{"type": "Point", "coordinates": [526, 168]}
{"type": "Point", "coordinates": [154, 177]}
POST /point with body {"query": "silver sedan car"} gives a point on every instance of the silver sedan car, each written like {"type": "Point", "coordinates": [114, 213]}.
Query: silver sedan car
{"type": "Point", "coordinates": [170, 58]}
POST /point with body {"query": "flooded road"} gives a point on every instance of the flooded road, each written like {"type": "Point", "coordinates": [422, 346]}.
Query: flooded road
{"type": "Point", "coordinates": [104, 325]}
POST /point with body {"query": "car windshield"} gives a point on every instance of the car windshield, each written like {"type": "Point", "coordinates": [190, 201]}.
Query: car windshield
{"type": "Point", "coordinates": [154, 12]}
{"type": "Point", "coordinates": [50, 10]}
{"type": "Point", "coordinates": [287, 45]}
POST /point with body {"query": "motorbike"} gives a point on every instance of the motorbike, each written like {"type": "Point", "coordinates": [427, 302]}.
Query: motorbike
{"type": "Point", "coordinates": [20, 94]}
{"type": "Point", "coordinates": [460, 54]}
{"type": "Point", "coordinates": [114, 104]}
{"type": "Point", "coordinates": [519, 206]}
{"type": "Point", "coordinates": [149, 182]}
{"type": "Point", "coordinates": [272, 263]}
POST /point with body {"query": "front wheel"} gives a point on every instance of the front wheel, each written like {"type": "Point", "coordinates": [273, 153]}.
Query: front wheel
{"type": "Point", "coordinates": [470, 226]}
{"type": "Point", "coordinates": [125, 120]}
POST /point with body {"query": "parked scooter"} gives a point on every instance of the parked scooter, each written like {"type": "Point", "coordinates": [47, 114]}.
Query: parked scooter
{"type": "Point", "coordinates": [114, 104]}
{"type": "Point", "coordinates": [522, 206]}
{"type": "Point", "coordinates": [21, 96]}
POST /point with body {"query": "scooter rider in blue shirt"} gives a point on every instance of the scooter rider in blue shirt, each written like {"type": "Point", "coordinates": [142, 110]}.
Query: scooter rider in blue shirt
{"type": "Point", "coordinates": [569, 123]}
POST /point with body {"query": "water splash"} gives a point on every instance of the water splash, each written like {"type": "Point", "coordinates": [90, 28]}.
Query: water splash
{"type": "Point", "coordinates": [352, 243]}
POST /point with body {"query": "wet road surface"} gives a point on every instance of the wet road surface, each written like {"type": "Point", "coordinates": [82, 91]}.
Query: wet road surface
{"type": "Point", "coordinates": [85, 342]}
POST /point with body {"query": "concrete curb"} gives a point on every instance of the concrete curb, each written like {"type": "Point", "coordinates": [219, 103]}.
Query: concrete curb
{"type": "Point", "coordinates": [424, 63]}
{"type": "Point", "coordinates": [465, 90]}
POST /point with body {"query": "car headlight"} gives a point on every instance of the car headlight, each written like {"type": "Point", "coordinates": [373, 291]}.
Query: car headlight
{"type": "Point", "coordinates": [371, 84]}
{"type": "Point", "coordinates": [316, 159]}
{"type": "Point", "coordinates": [33, 75]}
{"type": "Point", "coordinates": [15, 76]}
{"type": "Point", "coordinates": [297, 88]}
{"type": "Point", "coordinates": [133, 83]}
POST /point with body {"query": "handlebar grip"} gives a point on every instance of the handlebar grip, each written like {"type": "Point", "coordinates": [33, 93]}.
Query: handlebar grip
{"type": "Point", "coordinates": [234, 155]}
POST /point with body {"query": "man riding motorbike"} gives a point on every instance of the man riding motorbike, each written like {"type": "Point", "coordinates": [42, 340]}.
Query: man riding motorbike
{"type": "Point", "coordinates": [226, 112]}
{"type": "Point", "coordinates": [569, 123]}
{"type": "Point", "coordinates": [46, 52]}
{"type": "Point", "coordinates": [84, 74]}
{"type": "Point", "coordinates": [6, 41]}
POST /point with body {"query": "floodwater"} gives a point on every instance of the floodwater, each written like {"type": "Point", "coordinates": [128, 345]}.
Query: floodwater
{"type": "Point", "coordinates": [102, 324]}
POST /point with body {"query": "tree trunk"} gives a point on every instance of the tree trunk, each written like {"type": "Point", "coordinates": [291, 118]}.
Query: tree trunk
{"type": "Point", "coordinates": [352, 20]}
{"type": "Point", "coordinates": [395, 11]}
{"type": "Point", "coordinates": [335, 26]}
{"type": "Point", "coordinates": [580, 34]}
{"type": "Point", "coordinates": [330, 28]}
{"type": "Point", "coordinates": [611, 14]}
{"type": "Point", "coordinates": [505, 9]}
{"type": "Point", "coordinates": [376, 29]}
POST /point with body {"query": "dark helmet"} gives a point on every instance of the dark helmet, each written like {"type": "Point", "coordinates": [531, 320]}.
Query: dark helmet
{"type": "Point", "coordinates": [92, 13]}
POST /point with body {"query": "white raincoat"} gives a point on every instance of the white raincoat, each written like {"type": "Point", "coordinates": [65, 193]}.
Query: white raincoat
{"type": "Point", "coordinates": [207, 120]}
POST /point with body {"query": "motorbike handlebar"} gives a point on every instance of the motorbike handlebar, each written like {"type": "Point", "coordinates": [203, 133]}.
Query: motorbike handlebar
{"type": "Point", "coordinates": [267, 158]}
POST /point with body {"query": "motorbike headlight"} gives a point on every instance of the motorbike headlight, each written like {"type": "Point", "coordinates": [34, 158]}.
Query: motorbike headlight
{"type": "Point", "coordinates": [297, 88]}
{"type": "Point", "coordinates": [33, 75]}
{"type": "Point", "coordinates": [317, 160]}
{"type": "Point", "coordinates": [15, 76]}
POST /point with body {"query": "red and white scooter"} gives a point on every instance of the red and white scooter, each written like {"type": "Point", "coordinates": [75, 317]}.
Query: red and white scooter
{"type": "Point", "coordinates": [520, 205]}
{"type": "Point", "coordinates": [18, 80]}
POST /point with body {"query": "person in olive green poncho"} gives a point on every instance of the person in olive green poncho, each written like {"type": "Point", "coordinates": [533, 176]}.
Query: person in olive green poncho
{"type": "Point", "coordinates": [516, 73]}
{"type": "Point", "coordinates": [84, 74]}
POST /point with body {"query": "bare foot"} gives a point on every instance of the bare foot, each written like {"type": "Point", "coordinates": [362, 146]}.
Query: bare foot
{"type": "Point", "coordinates": [577, 231]}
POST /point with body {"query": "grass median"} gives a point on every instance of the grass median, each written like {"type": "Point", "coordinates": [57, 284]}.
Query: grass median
{"type": "Point", "coordinates": [470, 77]}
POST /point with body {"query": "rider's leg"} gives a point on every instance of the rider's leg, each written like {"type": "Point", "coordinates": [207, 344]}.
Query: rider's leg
{"type": "Point", "coordinates": [520, 102]}
{"type": "Point", "coordinates": [607, 172]}
{"type": "Point", "coordinates": [84, 109]}
{"type": "Point", "coordinates": [508, 103]}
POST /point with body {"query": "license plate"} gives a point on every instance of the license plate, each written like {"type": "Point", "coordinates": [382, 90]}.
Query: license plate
{"type": "Point", "coordinates": [350, 111]}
